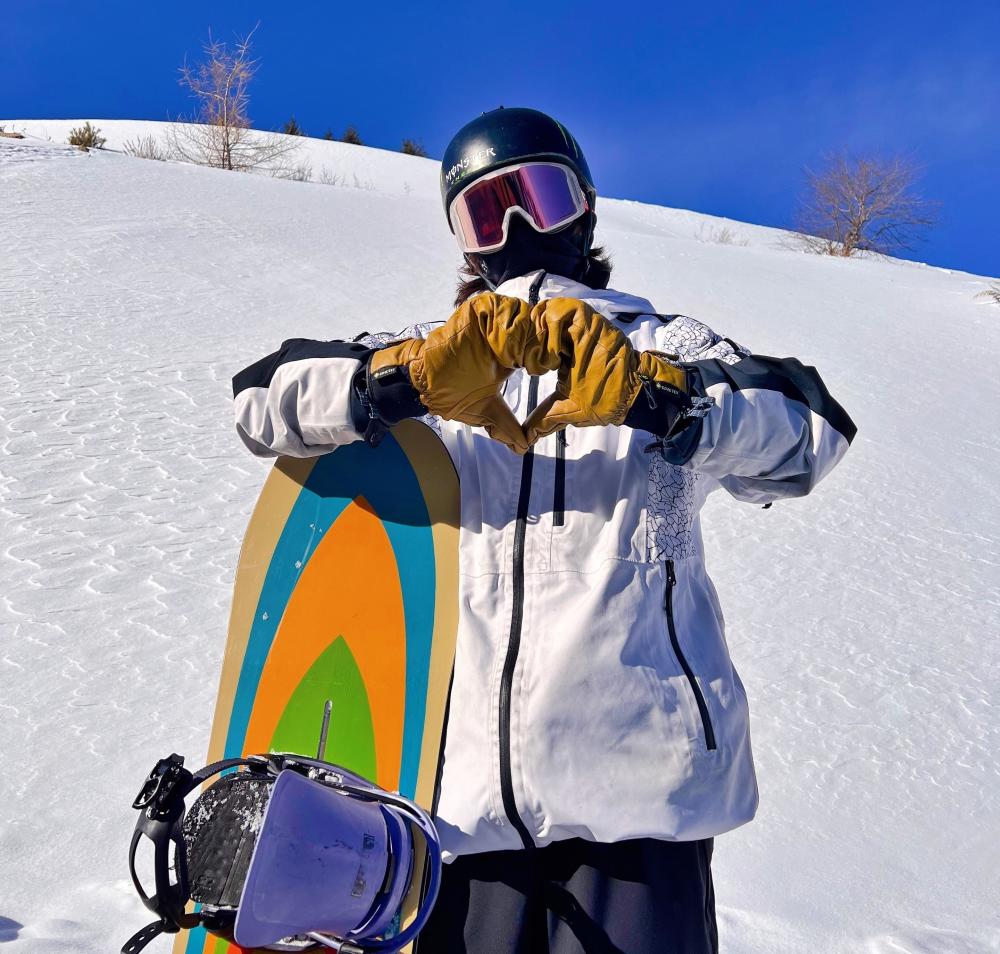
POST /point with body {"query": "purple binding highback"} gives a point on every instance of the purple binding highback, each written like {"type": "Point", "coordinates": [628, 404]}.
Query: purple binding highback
{"type": "Point", "coordinates": [319, 862]}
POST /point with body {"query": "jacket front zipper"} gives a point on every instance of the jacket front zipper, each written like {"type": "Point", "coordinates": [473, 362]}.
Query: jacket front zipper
{"type": "Point", "coordinates": [517, 617]}
{"type": "Point", "coordinates": [699, 698]}
{"type": "Point", "coordinates": [514, 639]}
{"type": "Point", "coordinates": [559, 494]}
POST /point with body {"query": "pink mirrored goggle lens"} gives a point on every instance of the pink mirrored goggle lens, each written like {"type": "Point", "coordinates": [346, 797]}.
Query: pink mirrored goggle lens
{"type": "Point", "coordinates": [548, 194]}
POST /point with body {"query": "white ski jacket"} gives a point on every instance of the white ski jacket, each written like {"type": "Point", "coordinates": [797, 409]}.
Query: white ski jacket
{"type": "Point", "coordinates": [593, 693]}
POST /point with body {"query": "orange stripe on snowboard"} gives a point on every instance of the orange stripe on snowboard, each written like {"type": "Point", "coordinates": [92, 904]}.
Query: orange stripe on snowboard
{"type": "Point", "coordinates": [332, 599]}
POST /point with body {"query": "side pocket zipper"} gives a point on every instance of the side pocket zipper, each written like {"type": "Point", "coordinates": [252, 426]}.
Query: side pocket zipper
{"type": "Point", "coordinates": [699, 698]}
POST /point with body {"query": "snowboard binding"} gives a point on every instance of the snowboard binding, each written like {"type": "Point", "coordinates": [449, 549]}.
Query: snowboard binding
{"type": "Point", "coordinates": [282, 852]}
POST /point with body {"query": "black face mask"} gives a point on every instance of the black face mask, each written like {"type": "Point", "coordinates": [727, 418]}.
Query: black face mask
{"type": "Point", "coordinates": [527, 250]}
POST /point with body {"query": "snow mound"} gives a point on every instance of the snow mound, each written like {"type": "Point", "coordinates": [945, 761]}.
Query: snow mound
{"type": "Point", "coordinates": [863, 618]}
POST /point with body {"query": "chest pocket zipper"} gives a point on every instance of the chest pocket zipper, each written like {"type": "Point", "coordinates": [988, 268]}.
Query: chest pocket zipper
{"type": "Point", "coordinates": [699, 698]}
{"type": "Point", "coordinates": [559, 492]}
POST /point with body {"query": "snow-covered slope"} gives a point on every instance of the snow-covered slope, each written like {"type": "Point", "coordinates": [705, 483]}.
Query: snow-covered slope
{"type": "Point", "coordinates": [863, 619]}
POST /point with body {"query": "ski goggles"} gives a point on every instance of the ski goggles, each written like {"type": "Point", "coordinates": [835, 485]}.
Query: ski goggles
{"type": "Point", "coordinates": [548, 194]}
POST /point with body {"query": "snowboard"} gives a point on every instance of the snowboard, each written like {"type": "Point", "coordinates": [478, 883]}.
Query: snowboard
{"type": "Point", "coordinates": [346, 593]}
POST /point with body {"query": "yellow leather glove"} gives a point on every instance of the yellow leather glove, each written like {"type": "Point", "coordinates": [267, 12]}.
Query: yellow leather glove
{"type": "Point", "coordinates": [600, 373]}
{"type": "Point", "coordinates": [459, 368]}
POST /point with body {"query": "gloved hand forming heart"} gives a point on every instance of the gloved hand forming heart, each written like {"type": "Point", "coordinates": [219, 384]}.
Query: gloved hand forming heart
{"type": "Point", "coordinates": [459, 369]}
{"type": "Point", "coordinates": [600, 373]}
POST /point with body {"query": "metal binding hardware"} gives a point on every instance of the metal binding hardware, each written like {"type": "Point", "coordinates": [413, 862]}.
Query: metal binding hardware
{"type": "Point", "coordinates": [158, 792]}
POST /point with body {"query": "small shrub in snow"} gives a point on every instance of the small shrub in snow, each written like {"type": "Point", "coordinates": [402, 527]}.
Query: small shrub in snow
{"type": "Point", "coordinates": [991, 294]}
{"type": "Point", "coordinates": [328, 135]}
{"type": "Point", "coordinates": [86, 137]}
{"type": "Point", "coordinates": [413, 148]}
{"type": "Point", "coordinates": [298, 172]}
{"type": "Point", "coordinates": [330, 178]}
{"type": "Point", "coordinates": [351, 136]}
{"type": "Point", "coordinates": [720, 235]}
{"type": "Point", "coordinates": [292, 128]}
{"type": "Point", "coordinates": [145, 147]}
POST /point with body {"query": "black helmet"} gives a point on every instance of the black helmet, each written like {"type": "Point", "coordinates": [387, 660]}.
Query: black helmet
{"type": "Point", "coordinates": [502, 137]}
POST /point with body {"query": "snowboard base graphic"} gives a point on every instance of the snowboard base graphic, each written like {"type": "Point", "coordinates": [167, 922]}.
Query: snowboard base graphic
{"type": "Point", "coordinates": [346, 592]}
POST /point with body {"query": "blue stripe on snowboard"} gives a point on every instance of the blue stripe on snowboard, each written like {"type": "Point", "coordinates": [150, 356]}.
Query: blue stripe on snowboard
{"type": "Point", "coordinates": [385, 478]}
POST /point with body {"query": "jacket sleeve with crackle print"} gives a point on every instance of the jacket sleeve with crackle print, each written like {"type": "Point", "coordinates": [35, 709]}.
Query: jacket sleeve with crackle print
{"type": "Point", "coordinates": [768, 428]}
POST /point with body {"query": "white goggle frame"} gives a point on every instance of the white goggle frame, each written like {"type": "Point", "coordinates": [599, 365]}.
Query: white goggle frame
{"type": "Point", "coordinates": [579, 198]}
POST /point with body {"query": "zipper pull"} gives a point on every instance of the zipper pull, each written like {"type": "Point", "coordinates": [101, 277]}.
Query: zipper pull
{"type": "Point", "coordinates": [647, 385]}
{"type": "Point", "coordinates": [671, 577]}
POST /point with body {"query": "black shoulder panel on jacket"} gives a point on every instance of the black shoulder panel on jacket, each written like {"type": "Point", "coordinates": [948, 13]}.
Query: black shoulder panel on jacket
{"type": "Point", "coordinates": [260, 373]}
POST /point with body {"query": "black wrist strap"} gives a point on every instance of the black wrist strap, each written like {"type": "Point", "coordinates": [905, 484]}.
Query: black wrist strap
{"type": "Point", "coordinates": [393, 395]}
{"type": "Point", "coordinates": [381, 399]}
{"type": "Point", "coordinates": [657, 408]}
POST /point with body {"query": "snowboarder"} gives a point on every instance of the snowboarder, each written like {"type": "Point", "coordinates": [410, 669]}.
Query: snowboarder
{"type": "Point", "coordinates": [597, 737]}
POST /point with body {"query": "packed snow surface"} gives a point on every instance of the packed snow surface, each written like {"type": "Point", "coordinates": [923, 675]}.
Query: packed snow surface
{"type": "Point", "coordinates": [863, 619]}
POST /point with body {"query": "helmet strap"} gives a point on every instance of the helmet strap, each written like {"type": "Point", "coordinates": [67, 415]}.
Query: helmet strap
{"type": "Point", "coordinates": [484, 271]}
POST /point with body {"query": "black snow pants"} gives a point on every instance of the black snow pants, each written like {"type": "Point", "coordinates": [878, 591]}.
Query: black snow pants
{"type": "Point", "coordinates": [578, 897]}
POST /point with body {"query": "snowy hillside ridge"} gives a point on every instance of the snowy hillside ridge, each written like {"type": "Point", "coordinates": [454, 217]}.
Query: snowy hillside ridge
{"type": "Point", "coordinates": [336, 163]}
{"type": "Point", "coordinates": [331, 162]}
{"type": "Point", "coordinates": [861, 618]}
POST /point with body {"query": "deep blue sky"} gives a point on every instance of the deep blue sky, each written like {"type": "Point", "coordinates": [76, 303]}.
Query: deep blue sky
{"type": "Point", "coordinates": [709, 106]}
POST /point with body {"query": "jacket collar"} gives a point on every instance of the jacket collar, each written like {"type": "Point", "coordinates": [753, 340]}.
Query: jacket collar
{"type": "Point", "coordinates": [610, 303]}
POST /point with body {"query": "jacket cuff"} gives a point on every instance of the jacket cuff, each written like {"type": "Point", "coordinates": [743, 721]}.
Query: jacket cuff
{"type": "Point", "coordinates": [393, 395]}
{"type": "Point", "coordinates": [382, 399]}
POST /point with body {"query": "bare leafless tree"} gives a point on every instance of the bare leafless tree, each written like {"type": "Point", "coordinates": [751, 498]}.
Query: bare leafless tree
{"type": "Point", "coordinates": [868, 204]}
{"type": "Point", "coordinates": [219, 133]}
